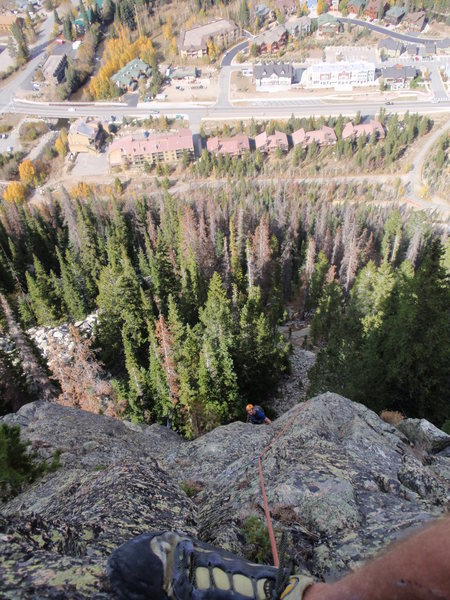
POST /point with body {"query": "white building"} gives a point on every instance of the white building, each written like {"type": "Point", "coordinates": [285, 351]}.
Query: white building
{"type": "Point", "coordinates": [273, 77]}
{"type": "Point", "coordinates": [339, 75]}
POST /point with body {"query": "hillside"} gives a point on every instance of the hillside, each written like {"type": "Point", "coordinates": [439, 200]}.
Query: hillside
{"type": "Point", "coordinates": [342, 483]}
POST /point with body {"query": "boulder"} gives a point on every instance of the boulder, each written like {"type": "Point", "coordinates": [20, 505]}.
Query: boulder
{"type": "Point", "coordinates": [340, 482]}
{"type": "Point", "coordinates": [424, 435]}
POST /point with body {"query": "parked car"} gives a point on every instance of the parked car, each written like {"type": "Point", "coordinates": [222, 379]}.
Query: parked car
{"type": "Point", "coordinates": [153, 113]}
{"type": "Point", "coordinates": [388, 102]}
{"type": "Point", "coordinates": [9, 149]}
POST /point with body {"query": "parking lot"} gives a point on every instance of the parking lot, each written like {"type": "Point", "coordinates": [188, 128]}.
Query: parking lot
{"type": "Point", "coordinates": [89, 164]}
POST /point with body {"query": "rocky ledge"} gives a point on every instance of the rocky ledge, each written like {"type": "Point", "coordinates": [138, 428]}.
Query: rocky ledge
{"type": "Point", "coordinates": [340, 481]}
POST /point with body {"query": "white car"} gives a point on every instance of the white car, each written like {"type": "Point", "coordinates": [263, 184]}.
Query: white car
{"type": "Point", "coordinates": [9, 149]}
{"type": "Point", "coordinates": [71, 109]}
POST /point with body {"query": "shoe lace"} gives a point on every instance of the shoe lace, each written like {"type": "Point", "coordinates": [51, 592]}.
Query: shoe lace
{"type": "Point", "coordinates": [271, 591]}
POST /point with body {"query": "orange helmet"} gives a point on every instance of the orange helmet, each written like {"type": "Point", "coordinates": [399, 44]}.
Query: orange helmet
{"type": "Point", "coordinates": [249, 407]}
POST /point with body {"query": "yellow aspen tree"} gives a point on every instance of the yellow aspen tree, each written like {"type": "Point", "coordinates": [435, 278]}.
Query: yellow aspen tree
{"type": "Point", "coordinates": [27, 173]}
{"type": "Point", "coordinates": [15, 192]}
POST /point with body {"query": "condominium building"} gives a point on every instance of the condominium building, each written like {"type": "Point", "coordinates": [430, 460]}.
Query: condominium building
{"type": "Point", "coordinates": [323, 137]}
{"type": "Point", "coordinates": [269, 143]}
{"type": "Point", "coordinates": [86, 135]}
{"type": "Point", "coordinates": [193, 43]}
{"type": "Point", "coordinates": [233, 146]}
{"type": "Point", "coordinates": [134, 151]}
{"type": "Point", "coordinates": [339, 75]}
{"type": "Point", "coordinates": [273, 76]}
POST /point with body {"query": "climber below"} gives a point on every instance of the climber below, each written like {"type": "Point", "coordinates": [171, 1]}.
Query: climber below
{"type": "Point", "coordinates": [255, 415]}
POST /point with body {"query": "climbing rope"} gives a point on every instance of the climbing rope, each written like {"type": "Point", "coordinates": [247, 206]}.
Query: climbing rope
{"type": "Point", "coordinates": [273, 544]}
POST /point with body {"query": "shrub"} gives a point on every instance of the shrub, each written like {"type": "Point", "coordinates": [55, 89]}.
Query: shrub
{"type": "Point", "coordinates": [191, 488]}
{"type": "Point", "coordinates": [18, 466]}
{"type": "Point", "coordinates": [393, 417]}
{"type": "Point", "coordinates": [257, 541]}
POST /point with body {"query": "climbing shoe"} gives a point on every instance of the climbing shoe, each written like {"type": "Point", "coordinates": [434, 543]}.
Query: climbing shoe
{"type": "Point", "coordinates": [171, 566]}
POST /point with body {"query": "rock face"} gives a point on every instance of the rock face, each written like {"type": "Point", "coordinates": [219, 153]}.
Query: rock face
{"type": "Point", "coordinates": [425, 435]}
{"type": "Point", "coordinates": [43, 337]}
{"type": "Point", "coordinates": [339, 480]}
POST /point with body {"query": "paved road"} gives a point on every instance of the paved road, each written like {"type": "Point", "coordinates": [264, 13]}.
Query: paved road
{"type": "Point", "coordinates": [197, 112]}
{"type": "Point", "coordinates": [412, 39]}
{"type": "Point", "coordinates": [223, 97]}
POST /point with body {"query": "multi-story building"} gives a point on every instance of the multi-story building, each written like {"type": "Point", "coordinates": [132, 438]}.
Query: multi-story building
{"type": "Point", "coordinates": [398, 76]}
{"type": "Point", "coordinates": [298, 27]}
{"type": "Point", "coordinates": [193, 43]}
{"type": "Point", "coordinates": [7, 21]}
{"type": "Point", "coordinates": [415, 21]}
{"type": "Point", "coordinates": [288, 7]}
{"type": "Point", "coordinates": [394, 15]}
{"type": "Point", "coordinates": [54, 69]}
{"type": "Point", "coordinates": [375, 8]}
{"type": "Point", "coordinates": [273, 76]}
{"type": "Point", "coordinates": [328, 24]}
{"type": "Point", "coordinates": [356, 6]}
{"type": "Point", "coordinates": [353, 132]}
{"type": "Point", "coordinates": [390, 47]}
{"type": "Point", "coordinates": [233, 146]}
{"type": "Point", "coordinates": [271, 41]}
{"type": "Point", "coordinates": [323, 137]}
{"type": "Point", "coordinates": [338, 75]}
{"type": "Point", "coordinates": [269, 143]}
{"type": "Point", "coordinates": [86, 135]}
{"type": "Point", "coordinates": [127, 77]}
{"type": "Point", "coordinates": [133, 151]}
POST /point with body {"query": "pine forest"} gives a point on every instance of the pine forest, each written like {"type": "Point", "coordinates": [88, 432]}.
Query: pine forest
{"type": "Point", "coordinates": [190, 291]}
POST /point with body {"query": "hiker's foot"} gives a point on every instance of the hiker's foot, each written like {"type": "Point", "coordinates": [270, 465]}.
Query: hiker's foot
{"type": "Point", "coordinates": [171, 566]}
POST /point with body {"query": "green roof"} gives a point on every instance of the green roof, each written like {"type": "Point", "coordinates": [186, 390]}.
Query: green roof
{"type": "Point", "coordinates": [357, 3]}
{"type": "Point", "coordinates": [396, 12]}
{"type": "Point", "coordinates": [132, 70]}
{"type": "Point", "coordinates": [325, 18]}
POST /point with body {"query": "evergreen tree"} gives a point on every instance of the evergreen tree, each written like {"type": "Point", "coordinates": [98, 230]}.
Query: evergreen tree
{"type": "Point", "coordinates": [72, 286]}
{"type": "Point", "coordinates": [23, 52]}
{"type": "Point", "coordinates": [41, 295]}
{"type": "Point", "coordinates": [67, 29]}
{"type": "Point", "coordinates": [56, 17]}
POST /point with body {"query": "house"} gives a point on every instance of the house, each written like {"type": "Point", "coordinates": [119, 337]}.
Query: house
{"type": "Point", "coordinates": [398, 76]}
{"type": "Point", "coordinates": [128, 76]}
{"type": "Point", "coordinates": [131, 151]}
{"type": "Point", "coordinates": [412, 50]}
{"type": "Point", "coordinates": [428, 50]}
{"type": "Point", "coordinates": [356, 6]}
{"type": "Point", "coordinates": [86, 135]}
{"type": "Point", "coordinates": [54, 69]}
{"type": "Point", "coordinates": [193, 43]}
{"type": "Point", "coordinates": [233, 146]}
{"type": "Point", "coordinates": [273, 76]}
{"type": "Point", "coordinates": [375, 9]}
{"type": "Point", "coordinates": [327, 24]}
{"type": "Point", "coordinates": [353, 132]}
{"type": "Point", "coordinates": [187, 74]}
{"type": "Point", "coordinates": [443, 46]}
{"type": "Point", "coordinates": [338, 75]}
{"type": "Point", "coordinates": [288, 7]}
{"type": "Point", "coordinates": [415, 21]}
{"type": "Point", "coordinates": [261, 13]}
{"type": "Point", "coordinates": [298, 27]}
{"type": "Point", "coordinates": [271, 41]}
{"type": "Point", "coordinates": [269, 143]}
{"type": "Point", "coordinates": [394, 15]}
{"type": "Point", "coordinates": [390, 47]}
{"type": "Point", "coordinates": [323, 137]}
{"type": "Point", "coordinates": [7, 21]}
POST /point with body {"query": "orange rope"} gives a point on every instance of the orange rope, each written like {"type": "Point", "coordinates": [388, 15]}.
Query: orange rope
{"type": "Point", "coordinates": [273, 544]}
